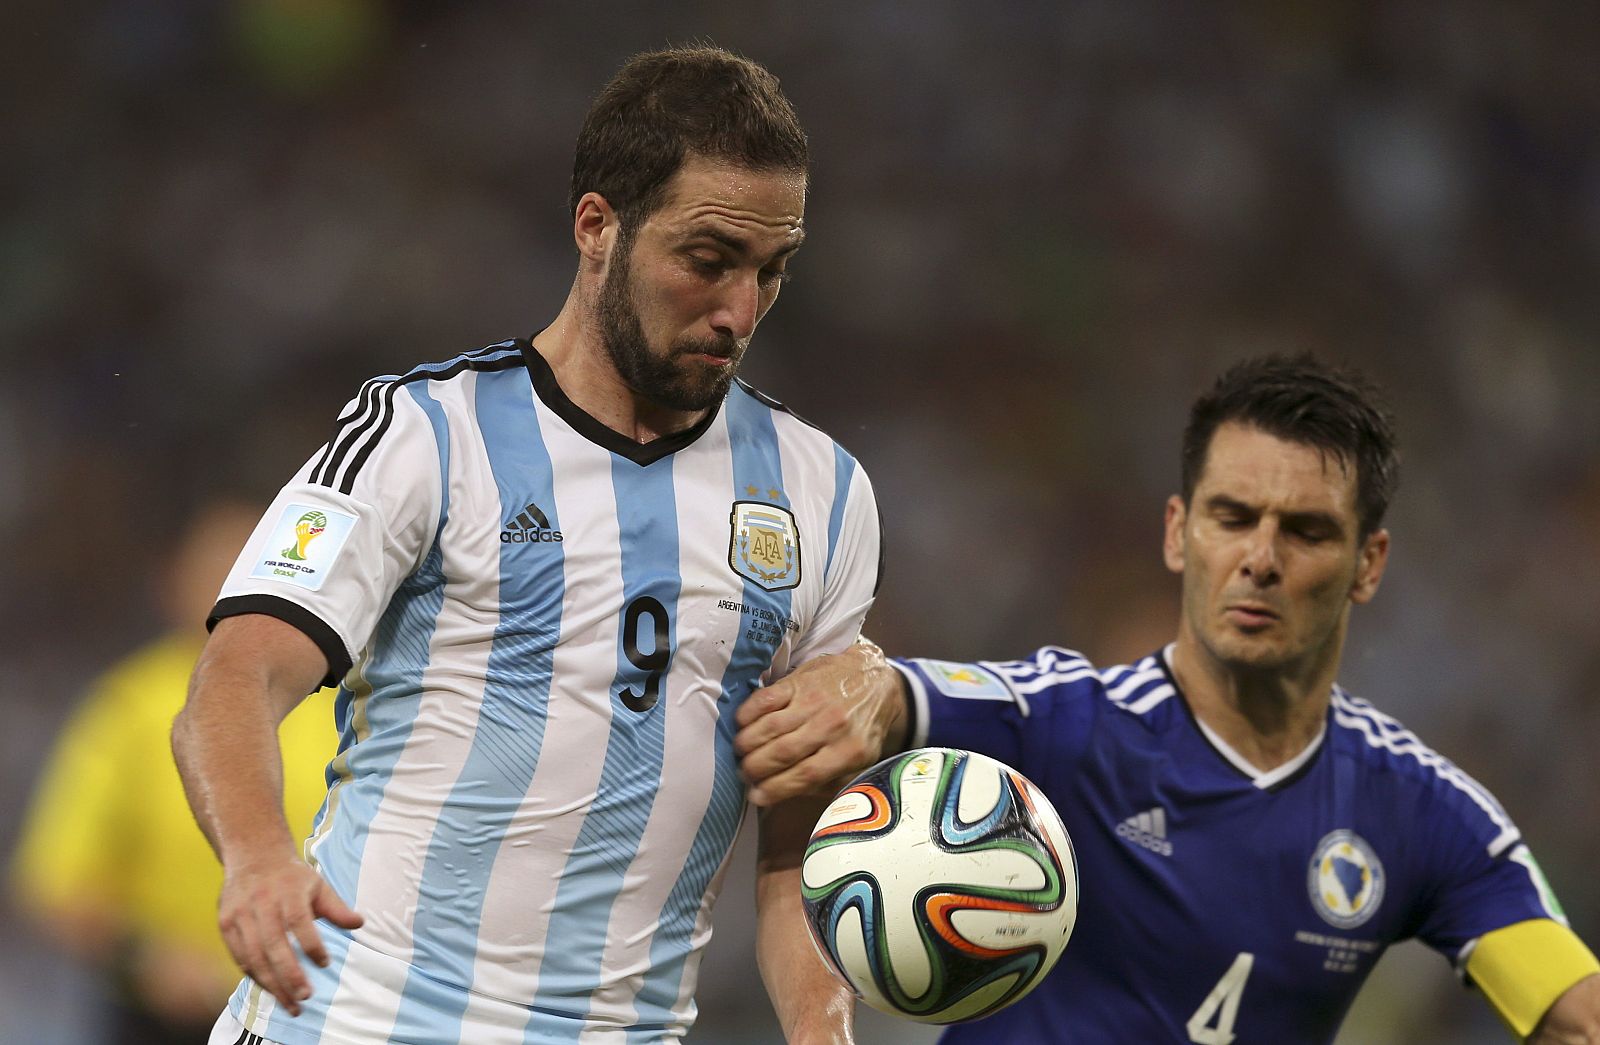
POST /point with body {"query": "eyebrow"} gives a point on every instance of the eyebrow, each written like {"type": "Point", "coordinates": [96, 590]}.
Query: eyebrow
{"type": "Point", "coordinates": [1222, 502]}
{"type": "Point", "coordinates": [740, 246]}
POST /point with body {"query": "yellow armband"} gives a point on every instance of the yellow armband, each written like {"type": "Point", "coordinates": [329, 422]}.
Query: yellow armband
{"type": "Point", "coordinates": [1523, 968]}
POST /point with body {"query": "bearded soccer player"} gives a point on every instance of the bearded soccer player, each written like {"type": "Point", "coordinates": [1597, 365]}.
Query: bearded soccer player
{"type": "Point", "coordinates": [1250, 836]}
{"type": "Point", "coordinates": [545, 574]}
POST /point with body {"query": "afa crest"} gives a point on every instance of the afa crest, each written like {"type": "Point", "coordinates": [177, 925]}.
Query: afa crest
{"type": "Point", "coordinates": [764, 545]}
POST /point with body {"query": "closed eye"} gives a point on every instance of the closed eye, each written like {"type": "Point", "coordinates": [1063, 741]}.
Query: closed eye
{"type": "Point", "coordinates": [1313, 531]}
{"type": "Point", "coordinates": [709, 265]}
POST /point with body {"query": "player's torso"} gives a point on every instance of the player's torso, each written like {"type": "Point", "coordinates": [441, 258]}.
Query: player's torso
{"type": "Point", "coordinates": [1214, 910]}
{"type": "Point", "coordinates": [542, 786]}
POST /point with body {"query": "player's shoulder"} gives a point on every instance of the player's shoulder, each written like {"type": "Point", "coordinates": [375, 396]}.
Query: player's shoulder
{"type": "Point", "coordinates": [509, 355]}
{"type": "Point", "coordinates": [378, 395]}
{"type": "Point", "coordinates": [745, 396]}
{"type": "Point", "coordinates": [1383, 745]}
{"type": "Point", "coordinates": [1378, 740]}
{"type": "Point", "coordinates": [1397, 757]}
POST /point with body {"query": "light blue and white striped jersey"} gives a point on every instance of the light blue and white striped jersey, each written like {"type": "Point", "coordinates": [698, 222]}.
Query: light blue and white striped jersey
{"type": "Point", "coordinates": [1220, 902]}
{"type": "Point", "coordinates": [543, 631]}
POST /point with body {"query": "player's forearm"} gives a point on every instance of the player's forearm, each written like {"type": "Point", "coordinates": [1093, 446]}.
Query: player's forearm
{"type": "Point", "coordinates": [225, 742]}
{"type": "Point", "coordinates": [812, 1006]}
{"type": "Point", "coordinates": [226, 748]}
{"type": "Point", "coordinates": [1574, 1019]}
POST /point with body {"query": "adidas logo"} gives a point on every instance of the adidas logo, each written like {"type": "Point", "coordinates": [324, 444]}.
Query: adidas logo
{"type": "Point", "coordinates": [530, 526]}
{"type": "Point", "coordinates": [1149, 830]}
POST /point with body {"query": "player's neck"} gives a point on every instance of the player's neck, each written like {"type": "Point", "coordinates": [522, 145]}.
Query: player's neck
{"type": "Point", "coordinates": [1267, 717]}
{"type": "Point", "coordinates": [586, 375]}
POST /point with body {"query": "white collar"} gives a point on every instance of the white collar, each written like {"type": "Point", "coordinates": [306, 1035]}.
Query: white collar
{"type": "Point", "coordinates": [1263, 779]}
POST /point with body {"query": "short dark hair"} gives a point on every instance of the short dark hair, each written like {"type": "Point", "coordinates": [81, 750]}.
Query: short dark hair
{"type": "Point", "coordinates": [1303, 401]}
{"type": "Point", "coordinates": [664, 105]}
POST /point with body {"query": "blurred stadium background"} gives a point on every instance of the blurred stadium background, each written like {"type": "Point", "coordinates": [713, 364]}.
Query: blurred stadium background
{"type": "Point", "coordinates": [1036, 229]}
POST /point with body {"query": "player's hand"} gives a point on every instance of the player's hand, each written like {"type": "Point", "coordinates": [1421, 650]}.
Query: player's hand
{"type": "Point", "coordinates": [264, 905]}
{"type": "Point", "coordinates": [827, 721]}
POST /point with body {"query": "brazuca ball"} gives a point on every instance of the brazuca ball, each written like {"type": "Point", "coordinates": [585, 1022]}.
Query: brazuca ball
{"type": "Point", "coordinates": [940, 885]}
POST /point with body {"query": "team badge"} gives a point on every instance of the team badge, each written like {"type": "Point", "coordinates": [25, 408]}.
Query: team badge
{"type": "Point", "coordinates": [303, 545]}
{"type": "Point", "coordinates": [764, 546]}
{"type": "Point", "coordinates": [1345, 879]}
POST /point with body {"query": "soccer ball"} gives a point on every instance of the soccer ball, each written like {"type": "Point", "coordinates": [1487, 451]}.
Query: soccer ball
{"type": "Point", "coordinates": [940, 885]}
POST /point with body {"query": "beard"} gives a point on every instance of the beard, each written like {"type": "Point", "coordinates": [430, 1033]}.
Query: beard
{"type": "Point", "coordinates": [668, 380]}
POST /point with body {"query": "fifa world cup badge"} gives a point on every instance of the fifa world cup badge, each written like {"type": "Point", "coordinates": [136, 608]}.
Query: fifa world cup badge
{"type": "Point", "coordinates": [303, 546]}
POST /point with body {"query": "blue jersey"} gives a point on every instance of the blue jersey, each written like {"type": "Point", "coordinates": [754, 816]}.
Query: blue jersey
{"type": "Point", "coordinates": [543, 631]}
{"type": "Point", "coordinates": [1219, 903]}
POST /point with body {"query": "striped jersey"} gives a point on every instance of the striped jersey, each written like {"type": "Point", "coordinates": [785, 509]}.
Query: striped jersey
{"type": "Point", "coordinates": [1220, 903]}
{"type": "Point", "coordinates": [543, 631]}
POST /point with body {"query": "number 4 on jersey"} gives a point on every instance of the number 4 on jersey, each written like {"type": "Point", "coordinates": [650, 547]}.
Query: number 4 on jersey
{"type": "Point", "coordinates": [1221, 1005]}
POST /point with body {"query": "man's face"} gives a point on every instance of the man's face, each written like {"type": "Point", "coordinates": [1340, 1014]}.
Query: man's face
{"type": "Point", "coordinates": [683, 292]}
{"type": "Point", "coordinates": [1269, 552]}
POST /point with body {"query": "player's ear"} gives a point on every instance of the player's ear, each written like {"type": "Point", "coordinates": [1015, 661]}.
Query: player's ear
{"type": "Point", "coordinates": [1172, 545]}
{"type": "Point", "coordinates": [1372, 558]}
{"type": "Point", "coordinates": [594, 228]}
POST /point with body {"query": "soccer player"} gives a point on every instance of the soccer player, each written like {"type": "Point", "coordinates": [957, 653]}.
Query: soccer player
{"type": "Point", "coordinates": [1250, 837]}
{"type": "Point", "coordinates": [545, 574]}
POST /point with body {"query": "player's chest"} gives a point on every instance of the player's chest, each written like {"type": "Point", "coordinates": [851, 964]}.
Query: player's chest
{"type": "Point", "coordinates": [709, 549]}
{"type": "Point", "coordinates": [1312, 880]}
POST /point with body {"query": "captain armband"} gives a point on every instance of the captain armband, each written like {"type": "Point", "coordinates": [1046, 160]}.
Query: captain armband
{"type": "Point", "coordinates": [1523, 968]}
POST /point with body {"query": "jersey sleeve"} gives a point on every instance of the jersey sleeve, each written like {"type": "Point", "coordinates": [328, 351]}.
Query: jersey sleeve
{"type": "Point", "coordinates": [1484, 877]}
{"type": "Point", "coordinates": [1036, 715]}
{"type": "Point", "coordinates": [355, 521]}
{"type": "Point", "coordinates": [853, 569]}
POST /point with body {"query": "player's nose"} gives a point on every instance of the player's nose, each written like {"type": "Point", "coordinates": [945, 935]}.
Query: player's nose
{"type": "Point", "coordinates": [1260, 562]}
{"type": "Point", "coordinates": [739, 307]}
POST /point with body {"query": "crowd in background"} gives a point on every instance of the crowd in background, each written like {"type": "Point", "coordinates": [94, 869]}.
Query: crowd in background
{"type": "Point", "coordinates": [1035, 231]}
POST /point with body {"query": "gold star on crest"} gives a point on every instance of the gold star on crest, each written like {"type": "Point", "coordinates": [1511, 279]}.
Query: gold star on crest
{"type": "Point", "coordinates": [751, 490]}
{"type": "Point", "coordinates": [774, 494]}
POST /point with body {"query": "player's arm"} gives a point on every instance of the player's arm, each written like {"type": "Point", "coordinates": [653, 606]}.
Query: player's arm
{"type": "Point", "coordinates": [812, 1005]}
{"type": "Point", "coordinates": [252, 673]}
{"type": "Point", "coordinates": [1542, 980]}
{"type": "Point", "coordinates": [826, 721]}
{"type": "Point", "coordinates": [1575, 1017]}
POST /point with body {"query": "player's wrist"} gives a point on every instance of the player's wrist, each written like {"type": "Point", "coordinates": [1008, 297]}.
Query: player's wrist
{"type": "Point", "coordinates": [885, 689]}
{"type": "Point", "coordinates": [895, 709]}
{"type": "Point", "coordinates": [256, 853]}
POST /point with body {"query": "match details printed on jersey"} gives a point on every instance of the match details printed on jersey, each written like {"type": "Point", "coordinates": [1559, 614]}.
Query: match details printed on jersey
{"type": "Point", "coordinates": [303, 545]}
{"type": "Point", "coordinates": [764, 545]}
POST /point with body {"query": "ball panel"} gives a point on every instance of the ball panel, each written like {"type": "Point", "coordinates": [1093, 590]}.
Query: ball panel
{"type": "Point", "coordinates": [992, 928]}
{"type": "Point", "coordinates": [978, 789]}
{"type": "Point", "coordinates": [861, 808]}
{"type": "Point", "coordinates": [987, 998]}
